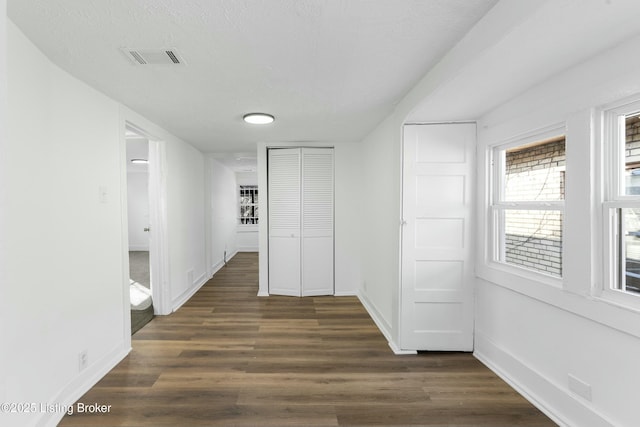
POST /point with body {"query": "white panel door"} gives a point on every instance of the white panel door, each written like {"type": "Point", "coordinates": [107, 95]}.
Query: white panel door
{"type": "Point", "coordinates": [317, 222]}
{"type": "Point", "coordinates": [284, 193]}
{"type": "Point", "coordinates": [437, 266]}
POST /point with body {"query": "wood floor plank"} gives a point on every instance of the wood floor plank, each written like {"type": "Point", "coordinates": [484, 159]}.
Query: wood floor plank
{"type": "Point", "coordinates": [230, 358]}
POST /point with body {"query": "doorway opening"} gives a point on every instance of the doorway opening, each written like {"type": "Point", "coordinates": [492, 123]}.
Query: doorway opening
{"type": "Point", "coordinates": [140, 295]}
{"type": "Point", "coordinates": [145, 258]}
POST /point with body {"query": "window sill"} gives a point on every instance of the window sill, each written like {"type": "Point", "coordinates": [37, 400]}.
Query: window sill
{"type": "Point", "coordinates": [532, 277]}
{"type": "Point", "coordinates": [619, 299]}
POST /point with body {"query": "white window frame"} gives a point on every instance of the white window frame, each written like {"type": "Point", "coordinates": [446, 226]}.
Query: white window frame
{"type": "Point", "coordinates": [613, 125]}
{"type": "Point", "coordinates": [497, 205]}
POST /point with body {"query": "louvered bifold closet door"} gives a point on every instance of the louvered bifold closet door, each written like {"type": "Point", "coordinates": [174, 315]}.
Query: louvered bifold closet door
{"type": "Point", "coordinates": [317, 221]}
{"type": "Point", "coordinates": [284, 176]}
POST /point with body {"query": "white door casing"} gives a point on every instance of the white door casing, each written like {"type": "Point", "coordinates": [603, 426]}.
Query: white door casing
{"type": "Point", "coordinates": [437, 278]}
{"type": "Point", "coordinates": [159, 233]}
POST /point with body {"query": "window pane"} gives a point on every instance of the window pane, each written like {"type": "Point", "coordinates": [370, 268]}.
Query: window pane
{"type": "Point", "coordinates": [632, 155]}
{"type": "Point", "coordinates": [246, 211]}
{"type": "Point", "coordinates": [533, 239]}
{"type": "Point", "coordinates": [248, 204]}
{"type": "Point", "coordinates": [629, 270]}
{"type": "Point", "coordinates": [535, 172]}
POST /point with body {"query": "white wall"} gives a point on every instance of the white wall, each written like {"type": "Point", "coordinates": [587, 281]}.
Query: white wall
{"type": "Point", "coordinates": [138, 210]}
{"type": "Point", "coordinates": [63, 249]}
{"type": "Point", "coordinates": [347, 212]}
{"type": "Point", "coordinates": [247, 234]}
{"type": "Point", "coordinates": [380, 238]}
{"type": "Point", "coordinates": [4, 330]}
{"type": "Point", "coordinates": [61, 240]}
{"type": "Point", "coordinates": [223, 213]}
{"type": "Point", "coordinates": [536, 335]}
{"type": "Point", "coordinates": [186, 220]}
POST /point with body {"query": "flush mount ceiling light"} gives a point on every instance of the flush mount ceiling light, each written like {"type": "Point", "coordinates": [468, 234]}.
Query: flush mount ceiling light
{"type": "Point", "coordinates": [258, 118]}
{"type": "Point", "coordinates": [140, 161]}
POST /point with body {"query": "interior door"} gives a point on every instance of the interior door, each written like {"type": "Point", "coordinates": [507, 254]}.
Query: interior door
{"type": "Point", "coordinates": [437, 265]}
{"type": "Point", "coordinates": [284, 176]}
{"type": "Point", "coordinates": [317, 222]}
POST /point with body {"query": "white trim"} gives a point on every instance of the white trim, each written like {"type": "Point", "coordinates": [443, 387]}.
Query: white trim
{"type": "Point", "coordinates": [186, 295]}
{"type": "Point", "coordinates": [612, 126]}
{"type": "Point", "coordinates": [124, 233]}
{"type": "Point", "coordinates": [536, 135]}
{"type": "Point", "coordinates": [263, 206]}
{"type": "Point", "coordinates": [353, 293]}
{"type": "Point", "coordinates": [382, 324]}
{"type": "Point", "coordinates": [533, 276]}
{"type": "Point", "coordinates": [555, 400]}
{"type": "Point", "coordinates": [221, 263]}
{"type": "Point", "coordinates": [159, 243]}
{"type": "Point", "coordinates": [216, 267]}
{"type": "Point", "coordinates": [82, 384]}
{"type": "Point", "coordinates": [199, 282]}
{"type": "Point", "coordinates": [134, 248]}
{"type": "Point", "coordinates": [494, 245]}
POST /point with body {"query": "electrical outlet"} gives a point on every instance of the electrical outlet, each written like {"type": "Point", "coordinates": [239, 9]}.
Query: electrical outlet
{"type": "Point", "coordinates": [83, 360]}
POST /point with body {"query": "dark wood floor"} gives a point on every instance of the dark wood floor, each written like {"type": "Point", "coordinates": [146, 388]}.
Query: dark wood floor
{"type": "Point", "coordinates": [230, 358]}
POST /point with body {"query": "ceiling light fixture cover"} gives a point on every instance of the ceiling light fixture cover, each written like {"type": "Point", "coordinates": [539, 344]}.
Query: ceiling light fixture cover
{"type": "Point", "coordinates": [258, 118]}
{"type": "Point", "coordinates": [140, 161]}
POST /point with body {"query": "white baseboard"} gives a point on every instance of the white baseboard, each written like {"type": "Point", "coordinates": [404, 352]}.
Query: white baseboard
{"type": "Point", "coordinates": [222, 261]}
{"type": "Point", "coordinates": [400, 352]}
{"type": "Point", "coordinates": [555, 400]}
{"type": "Point", "coordinates": [199, 282]}
{"type": "Point", "coordinates": [186, 295]}
{"type": "Point", "coordinates": [82, 384]}
{"type": "Point", "coordinates": [336, 294]}
{"type": "Point", "coordinates": [382, 325]}
{"type": "Point", "coordinates": [248, 249]}
{"type": "Point", "coordinates": [345, 293]}
{"type": "Point", "coordinates": [138, 248]}
{"type": "Point", "coordinates": [216, 267]}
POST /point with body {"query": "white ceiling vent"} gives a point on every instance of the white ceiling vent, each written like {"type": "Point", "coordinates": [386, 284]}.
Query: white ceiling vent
{"type": "Point", "coordinates": [153, 56]}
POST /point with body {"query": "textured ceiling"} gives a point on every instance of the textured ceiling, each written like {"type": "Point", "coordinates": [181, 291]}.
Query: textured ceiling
{"type": "Point", "coordinates": [329, 70]}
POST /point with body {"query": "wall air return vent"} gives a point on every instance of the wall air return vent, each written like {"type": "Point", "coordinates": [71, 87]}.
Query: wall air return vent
{"type": "Point", "coordinates": [153, 56]}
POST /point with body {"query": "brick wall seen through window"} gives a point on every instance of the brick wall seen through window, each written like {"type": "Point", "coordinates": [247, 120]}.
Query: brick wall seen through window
{"type": "Point", "coordinates": [533, 237]}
